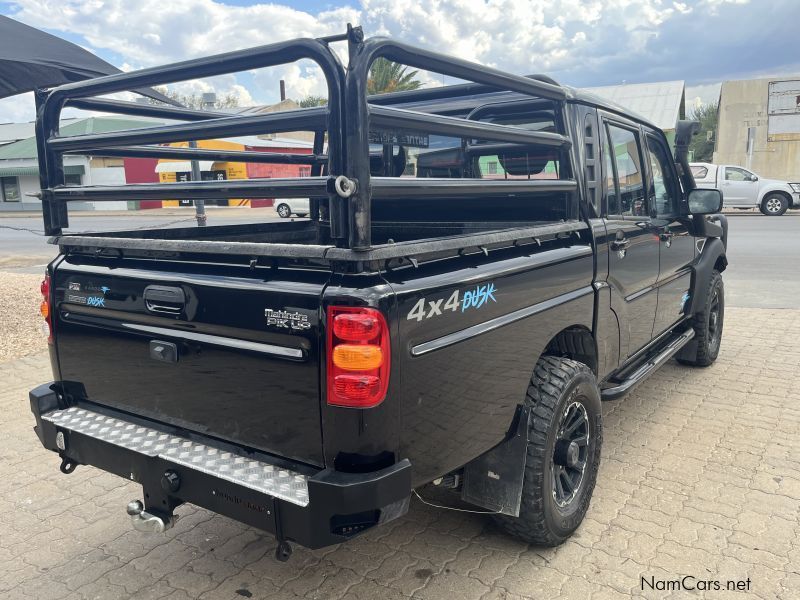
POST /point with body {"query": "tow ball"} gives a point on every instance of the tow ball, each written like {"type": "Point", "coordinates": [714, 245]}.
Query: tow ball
{"type": "Point", "coordinates": [148, 521]}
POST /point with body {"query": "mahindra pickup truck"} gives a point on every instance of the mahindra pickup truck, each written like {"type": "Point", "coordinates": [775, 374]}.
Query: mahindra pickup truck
{"type": "Point", "coordinates": [744, 189]}
{"type": "Point", "coordinates": [482, 264]}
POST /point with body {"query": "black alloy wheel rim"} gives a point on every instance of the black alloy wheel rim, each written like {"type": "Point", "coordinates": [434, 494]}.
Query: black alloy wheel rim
{"type": "Point", "coordinates": [570, 454]}
{"type": "Point", "coordinates": [714, 320]}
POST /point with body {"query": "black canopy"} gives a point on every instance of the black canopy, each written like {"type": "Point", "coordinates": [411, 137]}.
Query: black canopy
{"type": "Point", "coordinates": [31, 59]}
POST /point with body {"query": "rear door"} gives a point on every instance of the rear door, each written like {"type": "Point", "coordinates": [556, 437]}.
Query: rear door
{"type": "Point", "coordinates": [226, 351]}
{"type": "Point", "coordinates": [634, 247]}
{"type": "Point", "coordinates": [676, 251]}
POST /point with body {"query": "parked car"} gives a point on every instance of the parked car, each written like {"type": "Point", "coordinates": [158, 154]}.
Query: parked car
{"type": "Point", "coordinates": [744, 189]}
{"type": "Point", "coordinates": [307, 377]}
{"type": "Point", "coordinates": [286, 207]}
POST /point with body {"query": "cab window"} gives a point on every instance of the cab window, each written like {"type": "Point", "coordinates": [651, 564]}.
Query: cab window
{"type": "Point", "coordinates": [630, 198]}
{"type": "Point", "coordinates": [663, 189]}
{"type": "Point", "coordinates": [735, 174]}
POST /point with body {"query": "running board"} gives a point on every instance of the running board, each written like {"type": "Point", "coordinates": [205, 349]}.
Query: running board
{"type": "Point", "coordinates": [648, 367]}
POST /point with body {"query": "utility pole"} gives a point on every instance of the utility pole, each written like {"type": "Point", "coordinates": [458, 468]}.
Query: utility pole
{"type": "Point", "coordinates": [199, 205]}
{"type": "Point", "coordinates": [209, 99]}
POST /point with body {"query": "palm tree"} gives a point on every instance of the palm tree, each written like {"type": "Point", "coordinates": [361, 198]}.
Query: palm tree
{"type": "Point", "coordinates": [386, 76]}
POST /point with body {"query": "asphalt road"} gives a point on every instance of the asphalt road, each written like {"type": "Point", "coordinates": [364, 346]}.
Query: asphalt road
{"type": "Point", "coordinates": [763, 252]}
{"type": "Point", "coordinates": [24, 247]}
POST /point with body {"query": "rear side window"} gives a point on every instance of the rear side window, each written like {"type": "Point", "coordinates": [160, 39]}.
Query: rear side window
{"type": "Point", "coordinates": [699, 172]}
{"type": "Point", "coordinates": [627, 160]}
{"type": "Point", "coordinates": [610, 179]}
{"type": "Point", "coordinates": [518, 162]}
{"type": "Point", "coordinates": [663, 184]}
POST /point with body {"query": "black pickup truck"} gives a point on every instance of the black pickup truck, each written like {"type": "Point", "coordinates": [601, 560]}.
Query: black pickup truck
{"type": "Point", "coordinates": [482, 264]}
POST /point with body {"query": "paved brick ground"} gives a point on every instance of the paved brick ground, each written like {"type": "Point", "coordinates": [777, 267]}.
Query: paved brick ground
{"type": "Point", "coordinates": [700, 476]}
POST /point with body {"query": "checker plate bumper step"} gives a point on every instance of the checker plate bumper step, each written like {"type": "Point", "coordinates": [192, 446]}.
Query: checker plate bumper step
{"type": "Point", "coordinates": [254, 474]}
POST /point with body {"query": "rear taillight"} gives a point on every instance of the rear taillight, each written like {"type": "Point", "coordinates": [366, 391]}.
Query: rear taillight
{"type": "Point", "coordinates": [45, 309]}
{"type": "Point", "coordinates": [358, 357]}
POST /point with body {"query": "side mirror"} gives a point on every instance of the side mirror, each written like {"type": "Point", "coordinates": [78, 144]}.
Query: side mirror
{"type": "Point", "coordinates": [753, 177]}
{"type": "Point", "coordinates": [705, 202]}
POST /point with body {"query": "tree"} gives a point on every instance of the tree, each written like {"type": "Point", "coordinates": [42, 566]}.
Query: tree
{"type": "Point", "coordinates": [310, 101]}
{"type": "Point", "coordinates": [386, 76]}
{"type": "Point", "coordinates": [702, 145]}
{"type": "Point", "coordinates": [195, 101]}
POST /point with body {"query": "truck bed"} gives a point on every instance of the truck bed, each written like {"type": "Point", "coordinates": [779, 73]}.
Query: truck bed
{"type": "Point", "coordinates": [301, 240]}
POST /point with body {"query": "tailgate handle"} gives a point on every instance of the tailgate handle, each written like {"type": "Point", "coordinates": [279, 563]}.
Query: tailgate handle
{"type": "Point", "coordinates": [164, 299]}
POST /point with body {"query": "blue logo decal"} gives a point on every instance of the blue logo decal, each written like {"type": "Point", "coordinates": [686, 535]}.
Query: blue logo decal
{"type": "Point", "coordinates": [478, 297]}
{"type": "Point", "coordinates": [98, 301]}
{"type": "Point", "coordinates": [105, 289]}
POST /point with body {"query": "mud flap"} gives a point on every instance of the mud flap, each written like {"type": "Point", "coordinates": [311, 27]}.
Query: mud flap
{"type": "Point", "coordinates": [494, 479]}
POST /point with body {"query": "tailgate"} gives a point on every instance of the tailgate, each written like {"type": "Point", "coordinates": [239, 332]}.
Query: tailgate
{"type": "Point", "coordinates": [230, 352]}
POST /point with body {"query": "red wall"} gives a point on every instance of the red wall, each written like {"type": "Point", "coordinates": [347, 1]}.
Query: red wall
{"type": "Point", "coordinates": [142, 170]}
{"type": "Point", "coordinates": [258, 170]}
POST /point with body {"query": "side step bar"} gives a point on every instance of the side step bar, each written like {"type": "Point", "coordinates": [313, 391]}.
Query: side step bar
{"type": "Point", "coordinates": [648, 367]}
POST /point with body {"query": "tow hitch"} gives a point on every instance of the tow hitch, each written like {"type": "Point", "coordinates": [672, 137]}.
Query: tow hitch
{"type": "Point", "coordinates": [148, 522]}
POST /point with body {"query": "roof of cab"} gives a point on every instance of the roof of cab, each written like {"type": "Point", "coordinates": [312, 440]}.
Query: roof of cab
{"type": "Point", "coordinates": [461, 98]}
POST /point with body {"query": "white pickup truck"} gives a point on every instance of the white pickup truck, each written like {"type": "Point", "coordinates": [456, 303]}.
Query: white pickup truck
{"type": "Point", "coordinates": [744, 189]}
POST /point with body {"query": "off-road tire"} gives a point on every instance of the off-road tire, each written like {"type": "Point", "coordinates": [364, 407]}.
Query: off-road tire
{"type": "Point", "coordinates": [284, 211]}
{"type": "Point", "coordinates": [557, 383]}
{"type": "Point", "coordinates": [770, 200]}
{"type": "Point", "coordinates": [707, 338]}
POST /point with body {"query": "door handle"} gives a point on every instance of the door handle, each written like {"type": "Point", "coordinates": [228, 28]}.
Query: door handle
{"type": "Point", "coordinates": [164, 299]}
{"type": "Point", "coordinates": [620, 244]}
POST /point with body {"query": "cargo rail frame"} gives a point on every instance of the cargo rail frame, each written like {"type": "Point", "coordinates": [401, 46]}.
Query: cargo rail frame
{"type": "Point", "coordinates": [340, 177]}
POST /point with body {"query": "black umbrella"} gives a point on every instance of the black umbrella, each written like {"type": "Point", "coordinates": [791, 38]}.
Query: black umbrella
{"type": "Point", "coordinates": [31, 59]}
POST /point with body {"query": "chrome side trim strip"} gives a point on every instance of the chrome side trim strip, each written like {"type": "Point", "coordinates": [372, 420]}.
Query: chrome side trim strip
{"type": "Point", "coordinates": [492, 324]}
{"type": "Point", "coordinates": [220, 341]}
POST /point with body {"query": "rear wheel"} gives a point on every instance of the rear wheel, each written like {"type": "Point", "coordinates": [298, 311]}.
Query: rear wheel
{"type": "Point", "coordinates": [707, 325]}
{"type": "Point", "coordinates": [774, 205]}
{"type": "Point", "coordinates": [284, 211]}
{"type": "Point", "coordinates": [563, 455]}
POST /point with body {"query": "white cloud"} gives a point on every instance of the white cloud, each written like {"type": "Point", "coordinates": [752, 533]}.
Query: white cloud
{"type": "Point", "coordinates": [17, 109]}
{"type": "Point", "coordinates": [697, 95]}
{"type": "Point", "coordinates": [581, 42]}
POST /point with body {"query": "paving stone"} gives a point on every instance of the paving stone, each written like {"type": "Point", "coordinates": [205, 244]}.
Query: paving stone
{"type": "Point", "coordinates": [700, 476]}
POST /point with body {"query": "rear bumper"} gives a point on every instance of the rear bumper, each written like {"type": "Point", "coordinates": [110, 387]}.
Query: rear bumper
{"type": "Point", "coordinates": [311, 507]}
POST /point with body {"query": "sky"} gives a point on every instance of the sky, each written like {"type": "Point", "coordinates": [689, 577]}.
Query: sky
{"type": "Point", "coordinates": [578, 42]}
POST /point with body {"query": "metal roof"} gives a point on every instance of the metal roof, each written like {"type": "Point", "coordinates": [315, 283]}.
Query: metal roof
{"type": "Point", "coordinates": [27, 148]}
{"type": "Point", "coordinates": [12, 132]}
{"type": "Point", "coordinates": [660, 103]}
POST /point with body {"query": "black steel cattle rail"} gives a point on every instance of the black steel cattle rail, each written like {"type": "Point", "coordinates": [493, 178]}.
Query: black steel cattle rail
{"type": "Point", "coordinates": [344, 123]}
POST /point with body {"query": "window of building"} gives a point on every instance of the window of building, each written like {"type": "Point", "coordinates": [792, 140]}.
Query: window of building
{"type": "Point", "coordinates": [73, 180]}
{"type": "Point", "coordinates": [491, 167]}
{"type": "Point", "coordinates": [9, 186]}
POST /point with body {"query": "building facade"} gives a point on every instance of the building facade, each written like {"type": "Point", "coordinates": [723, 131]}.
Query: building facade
{"type": "Point", "coordinates": [19, 166]}
{"type": "Point", "coordinates": [759, 126]}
